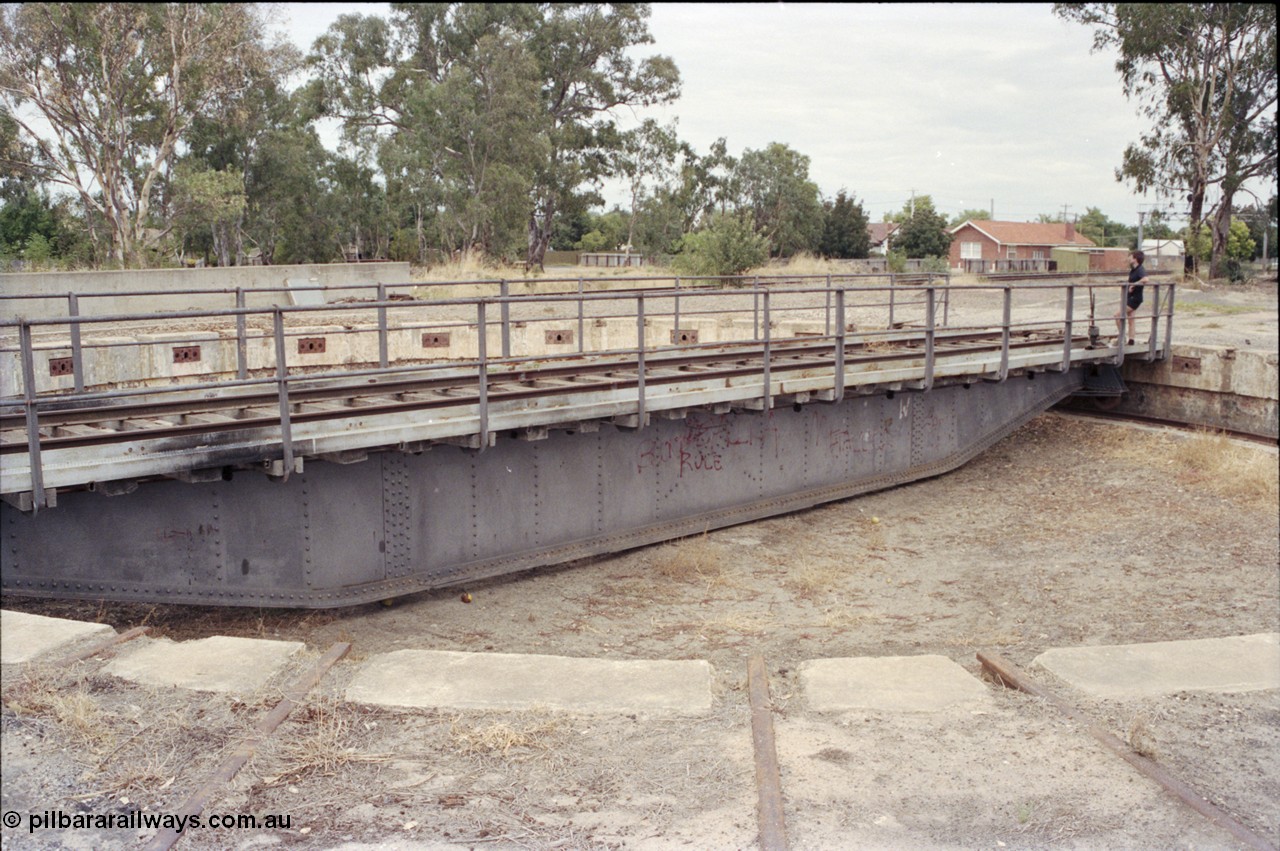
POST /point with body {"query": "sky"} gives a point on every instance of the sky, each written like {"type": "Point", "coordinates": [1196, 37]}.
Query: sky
{"type": "Point", "coordinates": [983, 106]}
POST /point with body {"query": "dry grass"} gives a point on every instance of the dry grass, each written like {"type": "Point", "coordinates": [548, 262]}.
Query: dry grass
{"type": "Point", "coordinates": [811, 579]}
{"type": "Point", "coordinates": [1140, 737]}
{"type": "Point", "coordinates": [325, 740]}
{"type": "Point", "coordinates": [1227, 468]}
{"type": "Point", "coordinates": [692, 560]}
{"type": "Point", "coordinates": [803, 263]}
{"type": "Point", "coordinates": [58, 698]}
{"type": "Point", "coordinates": [739, 623]}
{"type": "Point", "coordinates": [527, 735]}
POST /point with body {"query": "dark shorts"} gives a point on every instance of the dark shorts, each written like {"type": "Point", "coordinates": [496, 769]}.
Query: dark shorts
{"type": "Point", "coordinates": [1134, 301]}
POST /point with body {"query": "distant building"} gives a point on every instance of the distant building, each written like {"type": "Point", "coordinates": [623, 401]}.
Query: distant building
{"type": "Point", "coordinates": [1163, 254]}
{"type": "Point", "coordinates": [881, 234]}
{"type": "Point", "coordinates": [986, 246]}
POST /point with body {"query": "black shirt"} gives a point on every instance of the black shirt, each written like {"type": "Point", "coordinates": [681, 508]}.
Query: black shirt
{"type": "Point", "coordinates": [1137, 273]}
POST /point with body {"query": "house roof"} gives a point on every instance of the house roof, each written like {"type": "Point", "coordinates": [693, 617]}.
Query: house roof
{"type": "Point", "coordinates": [1027, 233]}
{"type": "Point", "coordinates": [880, 231]}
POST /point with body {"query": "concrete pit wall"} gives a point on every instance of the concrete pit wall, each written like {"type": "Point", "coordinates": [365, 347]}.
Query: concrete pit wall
{"type": "Point", "coordinates": [1212, 386]}
{"type": "Point", "coordinates": [108, 293]}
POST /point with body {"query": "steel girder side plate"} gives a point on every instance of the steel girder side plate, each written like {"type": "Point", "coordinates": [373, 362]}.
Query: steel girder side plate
{"type": "Point", "coordinates": [346, 534]}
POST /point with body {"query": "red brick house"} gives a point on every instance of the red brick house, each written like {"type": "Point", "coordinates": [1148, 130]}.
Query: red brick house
{"type": "Point", "coordinates": [988, 241]}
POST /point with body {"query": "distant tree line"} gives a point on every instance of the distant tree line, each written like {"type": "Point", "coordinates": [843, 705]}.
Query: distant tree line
{"type": "Point", "coordinates": [137, 134]}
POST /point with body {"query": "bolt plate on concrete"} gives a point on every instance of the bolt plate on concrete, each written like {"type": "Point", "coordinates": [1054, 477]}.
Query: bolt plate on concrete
{"type": "Point", "coordinates": [1234, 664]}
{"type": "Point", "coordinates": [892, 684]}
{"type": "Point", "coordinates": [219, 663]}
{"type": "Point", "coordinates": [23, 637]}
{"type": "Point", "coordinates": [428, 678]}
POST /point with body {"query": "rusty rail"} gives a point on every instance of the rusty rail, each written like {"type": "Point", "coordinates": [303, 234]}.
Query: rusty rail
{"type": "Point", "coordinates": [1010, 676]}
{"type": "Point", "coordinates": [194, 805]}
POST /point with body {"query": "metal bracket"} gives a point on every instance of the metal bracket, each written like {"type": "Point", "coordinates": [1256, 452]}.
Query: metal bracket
{"type": "Point", "coordinates": [630, 421]}
{"type": "Point", "coordinates": [25, 503]}
{"type": "Point", "coordinates": [276, 469]}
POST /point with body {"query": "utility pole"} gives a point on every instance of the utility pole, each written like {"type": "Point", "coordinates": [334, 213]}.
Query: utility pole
{"type": "Point", "coordinates": [993, 209]}
{"type": "Point", "coordinates": [1065, 207]}
{"type": "Point", "coordinates": [913, 203]}
{"type": "Point", "coordinates": [1141, 215]}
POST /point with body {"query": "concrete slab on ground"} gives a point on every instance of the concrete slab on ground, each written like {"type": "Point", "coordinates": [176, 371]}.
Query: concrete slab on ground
{"type": "Point", "coordinates": [891, 684]}
{"type": "Point", "coordinates": [219, 663]}
{"type": "Point", "coordinates": [431, 678]}
{"type": "Point", "coordinates": [24, 637]}
{"type": "Point", "coordinates": [1234, 664]}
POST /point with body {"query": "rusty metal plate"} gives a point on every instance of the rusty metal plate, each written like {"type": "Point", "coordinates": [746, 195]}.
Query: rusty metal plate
{"type": "Point", "coordinates": [1185, 365]}
{"type": "Point", "coordinates": [311, 345]}
{"type": "Point", "coordinates": [435, 340]}
{"type": "Point", "coordinates": [186, 354]}
{"type": "Point", "coordinates": [683, 336]}
{"type": "Point", "coordinates": [560, 337]}
{"type": "Point", "coordinates": [60, 366]}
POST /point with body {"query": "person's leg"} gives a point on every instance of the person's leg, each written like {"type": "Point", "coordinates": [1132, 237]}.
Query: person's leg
{"type": "Point", "coordinates": [1132, 324]}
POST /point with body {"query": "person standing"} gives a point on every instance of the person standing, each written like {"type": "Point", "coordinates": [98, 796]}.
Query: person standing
{"type": "Point", "coordinates": [1133, 297]}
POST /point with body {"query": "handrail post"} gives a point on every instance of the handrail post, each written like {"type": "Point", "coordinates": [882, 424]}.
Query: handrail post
{"type": "Point", "coordinates": [755, 311]}
{"type": "Point", "coordinates": [77, 356]}
{"type": "Point", "coordinates": [892, 299]}
{"type": "Point", "coordinates": [382, 326]}
{"type": "Point", "coordinates": [581, 318]}
{"type": "Point", "coordinates": [242, 359]}
{"type": "Point", "coordinates": [1004, 336]}
{"type": "Point", "coordinates": [1124, 325]}
{"type": "Point", "coordinates": [946, 300]}
{"type": "Point", "coordinates": [827, 320]}
{"type": "Point", "coordinates": [840, 341]}
{"type": "Point", "coordinates": [482, 370]}
{"type": "Point", "coordinates": [930, 316]}
{"type": "Point", "coordinates": [1067, 327]}
{"type": "Point", "coordinates": [768, 383]}
{"type": "Point", "coordinates": [282, 379]}
{"type": "Point", "coordinates": [675, 327]}
{"type": "Point", "coordinates": [1168, 328]}
{"type": "Point", "coordinates": [1155, 322]}
{"type": "Point", "coordinates": [640, 359]}
{"type": "Point", "coordinates": [504, 291]}
{"type": "Point", "coordinates": [33, 420]}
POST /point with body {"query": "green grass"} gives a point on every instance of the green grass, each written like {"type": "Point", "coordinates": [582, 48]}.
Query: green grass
{"type": "Point", "coordinates": [1206, 308]}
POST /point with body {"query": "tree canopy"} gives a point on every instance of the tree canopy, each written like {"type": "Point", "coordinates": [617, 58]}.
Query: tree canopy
{"type": "Point", "coordinates": [1205, 76]}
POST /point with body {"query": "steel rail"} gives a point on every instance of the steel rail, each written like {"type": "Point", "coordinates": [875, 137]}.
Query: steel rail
{"type": "Point", "coordinates": [744, 363]}
{"type": "Point", "coordinates": [1010, 676]}
{"type": "Point", "coordinates": [49, 406]}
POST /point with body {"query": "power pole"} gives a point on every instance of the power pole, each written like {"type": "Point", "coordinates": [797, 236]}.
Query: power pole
{"type": "Point", "coordinates": [993, 209]}
{"type": "Point", "coordinates": [1065, 207]}
{"type": "Point", "coordinates": [1141, 215]}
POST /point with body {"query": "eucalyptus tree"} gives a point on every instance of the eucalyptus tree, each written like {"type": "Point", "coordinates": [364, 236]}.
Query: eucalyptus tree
{"type": "Point", "coordinates": [104, 94]}
{"type": "Point", "coordinates": [587, 69]}
{"type": "Point", "coordinates": [774, 187]}
{"type": "Point", "coordinates": [1205, 76]}
{"type": "Point", "coordinates": [489, 118]}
